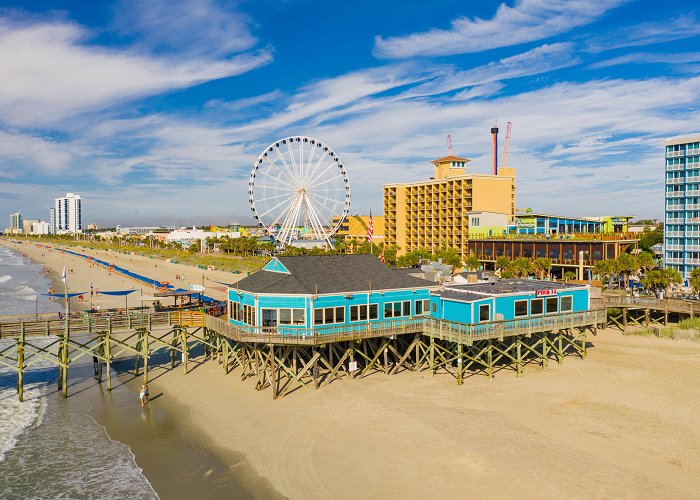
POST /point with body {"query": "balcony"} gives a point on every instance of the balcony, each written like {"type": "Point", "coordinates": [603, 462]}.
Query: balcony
{"type": "Point", "coordinates": [695, 151]}
{"type": "Point", "coordinates": [673, 168]}
{"type": "Point", "coordinates": [675, 220]}
{"type": "Point", "coordinates": [675, 181]}
{"type": "Point", "coordinates": [675, 234]}
{"type": "Point", "coordinates": [675, 154]}
{"type": "Point", "coordinates": [672, 260]}
{"type": "Point", "coordinates": [674, 247]}
{"type": "Point", "coordinates": [692, 192]}
{"type": "Point", "coordinates": [690, 248]}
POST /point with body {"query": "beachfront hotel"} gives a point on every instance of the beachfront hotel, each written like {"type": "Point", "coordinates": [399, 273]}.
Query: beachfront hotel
{"type": "Point", "coordinates": [67, 214]}
{"type": "Point", "coordinates": [434, 213]}
{"type": "Point", "coordinates": [682, 204]}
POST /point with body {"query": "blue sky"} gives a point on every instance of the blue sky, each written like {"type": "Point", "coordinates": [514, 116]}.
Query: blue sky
{"type": "Point", "coordinates": [154, 111]}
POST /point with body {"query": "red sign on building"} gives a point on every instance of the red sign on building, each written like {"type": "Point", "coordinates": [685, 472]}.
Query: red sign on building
{"type": "Point", "coordinates": [544, 293]}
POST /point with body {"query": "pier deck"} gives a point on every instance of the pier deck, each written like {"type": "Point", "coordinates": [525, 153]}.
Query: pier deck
{"type": "Point", "coordinates": [288, 359]}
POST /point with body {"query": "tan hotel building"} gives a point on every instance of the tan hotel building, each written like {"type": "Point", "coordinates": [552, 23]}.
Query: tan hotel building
{"type": "Point", "coordinates": [433, 213]}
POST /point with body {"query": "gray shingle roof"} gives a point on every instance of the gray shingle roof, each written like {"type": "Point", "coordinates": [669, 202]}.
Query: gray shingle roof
{"type": "Point", "coordinates": [504, 286]}
{"type": "Point", "coordinates": [310, 274]}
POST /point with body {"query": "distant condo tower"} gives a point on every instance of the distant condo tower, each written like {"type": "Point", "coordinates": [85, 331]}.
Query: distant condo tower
{"type": "Point", "coordinates": [682, 211]}
{"type": "Point", "coordinates": [67, 216]}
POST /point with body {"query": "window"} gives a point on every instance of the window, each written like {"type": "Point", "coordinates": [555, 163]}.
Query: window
{"type": "Point", "coordinates": [284, 316]}
{"type": "Point", "coordinates": [536, 307]}
{"type": "Point", "coordinates": [248, 315]}
{"type": "Point", "coordinates": [567, 303]}
{"type": "Point", "coordinates": [552, 305]}
{"type": "Point", "coordinates": [329, 315]}
{"type": "Point", "coordinates": [484, 312]}
{"type": "Point", "coordinates": [520, 308]}
{"type": "Point", "coordinates": [422, 307]}
{"type": "Point", "coordinates": [269, 317]}
{"type": "Point", "coordinates": [235, 311]}
{"type": "Point", "coordinates": [359, 313]}
{"type": "Point", "coordinates": [397, 309]}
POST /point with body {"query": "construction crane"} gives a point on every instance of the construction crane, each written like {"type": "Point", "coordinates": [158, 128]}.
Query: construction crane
{"type": "Point", "coordinates": [506, 145]}
{"type": "Point", "coordinates": [449, 144]}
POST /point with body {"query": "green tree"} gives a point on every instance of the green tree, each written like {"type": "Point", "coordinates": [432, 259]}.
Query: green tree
{"type": "Point", "coordinates": [603, 269]}
{"type": "Point", "coordinates": [626, 265]}
{"type": "Point", "coordinates": [449, 256]}
{"type": "Point", "coordinates": [542, 266]}
{"type": "Point", "coordinates": [695, 279]}
{"type": "Point", "coordinates": [472, 263]}
{"type": "Point", "coordinates": [645, 261]}
{"type": "Point", "coordinates": [569, 275]}
{"type": "Point", "coordinates": [522, 267]}
{"type": "Point", "coordinates": [649, 238]}
{"type": "Point", "coordinates": [662, 279]}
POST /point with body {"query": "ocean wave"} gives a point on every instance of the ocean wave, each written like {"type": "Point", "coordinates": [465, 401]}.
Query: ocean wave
{"type": "Point", "coordinates": [15, 417]}
{"type": "Point", "coordinates": [24, 293]}
{"type": "Point", "coordinates": [5, 278]}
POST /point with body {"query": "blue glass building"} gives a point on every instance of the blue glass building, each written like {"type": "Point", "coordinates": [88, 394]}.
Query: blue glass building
{"type": "Point", "coordinates": [682, 205]}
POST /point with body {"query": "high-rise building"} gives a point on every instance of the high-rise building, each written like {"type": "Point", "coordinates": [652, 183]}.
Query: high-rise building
{"type": "Point", "coordinates": [682, 198]}
{"type": "Point", "coordinates": [52, 220]}
{"type": "Point", "coordinates": [68, 217]}
{"type": "Point", "coordinates": [433, 214]}
{"type": "Point", "coordinates": [16, 221]}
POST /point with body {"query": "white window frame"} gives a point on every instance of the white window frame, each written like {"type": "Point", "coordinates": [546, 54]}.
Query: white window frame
{"type": "Point", "coordinates": [515, 308]}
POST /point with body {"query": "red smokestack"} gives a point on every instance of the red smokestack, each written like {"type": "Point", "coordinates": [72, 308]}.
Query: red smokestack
{"type": "Point", "coordinates": [494, 140]}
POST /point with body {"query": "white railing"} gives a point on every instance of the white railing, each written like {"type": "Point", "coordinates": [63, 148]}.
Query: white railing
{"type": "Point", "coordinates": [675, 181]}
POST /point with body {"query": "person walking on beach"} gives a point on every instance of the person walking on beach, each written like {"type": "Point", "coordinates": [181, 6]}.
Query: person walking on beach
{"type": "Point", "coordinates": [143, 394]}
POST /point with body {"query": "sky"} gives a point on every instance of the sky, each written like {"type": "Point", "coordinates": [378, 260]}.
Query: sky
{"type": "Point", "coordinates": [154, 111]}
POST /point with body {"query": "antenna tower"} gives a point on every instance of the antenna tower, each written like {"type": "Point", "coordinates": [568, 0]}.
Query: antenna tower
{"type": "Point", "coordinates": [506, 146]}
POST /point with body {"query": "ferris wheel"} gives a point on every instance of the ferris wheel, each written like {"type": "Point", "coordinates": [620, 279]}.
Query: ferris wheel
{"type": "Point", "coordinates": [296, 187]}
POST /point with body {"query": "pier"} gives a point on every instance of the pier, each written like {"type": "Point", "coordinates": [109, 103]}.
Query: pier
{"type": "Point", "coordinates": [309, 358]}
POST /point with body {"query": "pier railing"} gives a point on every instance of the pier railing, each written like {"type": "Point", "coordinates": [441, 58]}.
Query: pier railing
{"type": "Point", "coordinates": [85, 324]}
{"type": "Point", "coordinates": [467, 333]}
{"type": "Point", "coordinates": [294, 335]}
{"type": "Point", "coordinates": [320, 335]}
{"type": "Point", "coordinates": [667, 305]}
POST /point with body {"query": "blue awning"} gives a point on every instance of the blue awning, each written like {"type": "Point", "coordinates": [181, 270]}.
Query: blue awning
{"type": "Point", "coordinates": [63, 294]}
{"type": "Point", "coordinates": [117, 292]}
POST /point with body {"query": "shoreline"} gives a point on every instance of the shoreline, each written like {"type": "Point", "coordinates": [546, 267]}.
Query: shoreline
{"type": "Point", "coordinates": [624, 415]}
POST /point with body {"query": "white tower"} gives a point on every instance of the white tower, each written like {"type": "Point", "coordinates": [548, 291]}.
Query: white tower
{"type": "Point", "coordinates": [68, 214]}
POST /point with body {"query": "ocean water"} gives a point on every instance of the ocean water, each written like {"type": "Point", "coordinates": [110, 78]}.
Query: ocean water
{"type": "Point", "coordinates": [21, 286]}
{"type": "Point", "coordinates": [51, 447]}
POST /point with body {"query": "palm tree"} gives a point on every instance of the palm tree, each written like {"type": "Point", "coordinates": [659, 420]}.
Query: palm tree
{"type": "Point", "coordinates": [542, 266]}
{"type": "Point", "coordinates": [472, 263]}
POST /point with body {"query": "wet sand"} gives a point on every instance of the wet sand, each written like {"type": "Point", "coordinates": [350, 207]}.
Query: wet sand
{"type": "Point", "coordinates": [623, 423]}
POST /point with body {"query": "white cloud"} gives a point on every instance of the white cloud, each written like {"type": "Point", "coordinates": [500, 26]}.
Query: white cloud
{"type": "Point", "coordinates": [682, 27]}
{"type": "Point", "coordinates": [536, 61]}
{"type": "Point", "coordinates": [651, 58]}
{"type": "Point", "coordinates": [50, 72]}
{"type": "Point", "coordinates": [527, 21]}
{"type": "Point", "coordinates": [191, 26]}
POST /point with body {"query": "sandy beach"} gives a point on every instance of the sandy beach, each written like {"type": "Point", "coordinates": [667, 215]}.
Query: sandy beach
{"type": "Point", "coordinates": [623, 423]}
{"type": "Point", "coordinates": [81, 274]}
